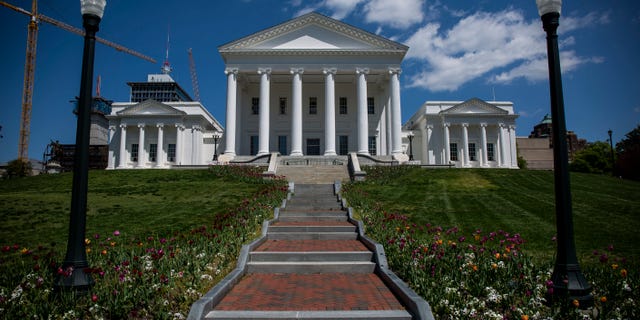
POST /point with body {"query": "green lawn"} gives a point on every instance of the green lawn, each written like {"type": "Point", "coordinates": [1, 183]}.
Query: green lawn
{"type": "Point", "coordinates": [606, 210]}
{"type": "Point", "coordinates": [35, 210]}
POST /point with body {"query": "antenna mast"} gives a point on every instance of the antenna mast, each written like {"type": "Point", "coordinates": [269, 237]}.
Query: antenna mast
{"type": "Point", "coordinates": [194, 76]}
{"type": "Point", "coordinates": [166, 67]}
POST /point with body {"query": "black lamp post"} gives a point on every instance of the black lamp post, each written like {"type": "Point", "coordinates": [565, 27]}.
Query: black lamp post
{"type": "Point", "coordinates": [568, 280]}
{"type": "Point", "coordinates": [410, 136]}
{"type": "Point", "coordinates": [613, 159]}
{"type": "Point", "coordinates": [216, 137]}
{"type": "Point", "coordinates": [73, 275]}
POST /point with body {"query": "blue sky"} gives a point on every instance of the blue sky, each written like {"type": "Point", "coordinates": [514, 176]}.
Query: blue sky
{"type": "Point", "coordinates": [459, 50]}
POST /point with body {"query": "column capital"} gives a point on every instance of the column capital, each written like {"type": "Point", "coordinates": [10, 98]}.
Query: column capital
{"type": "Point", "coordinates": [160, 125]}
{"type": "Point", "coordinates": [512, 126]}
{"type": "Point", "coordinates": [179, 126]}
{"type": "Point", "coordinates": [264, 71]}
{"type": "Point", "coordinates": [141, 125]}
{"type": "Point", "coordinates": [395, 70]}
{"type": "Point", "coordinates": [196, 127]}
{"type": "Point", "coordinates": [123, 126]}
{"type": "Point", "coordinates": [484, 124]}
{"type": "Point", "coordinates": [501, 125]}
{"type": "Point", "coordinates": [428, 126]}
{"type": "Point", "coordinates": [297, 70]}
{"type": "Point", "coordinates": [112, 127]}
{"type": "Point", "coordinates": [446, 124]}
{"type": "Point", "coordinates": [464, 125]}
{"type": "Point", "coordinates": [327, 71]}
{"type": "Point", "coordinates": [228, 71]}
{"type": "Point", "coordinates": [362, 71]}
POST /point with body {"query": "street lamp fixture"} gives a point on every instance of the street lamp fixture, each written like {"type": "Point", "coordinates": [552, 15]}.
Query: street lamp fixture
{"type": "Point", "coordinates": [568, 280]}
{"type": "Point", "coordinates": [216, 137]}
{"type": "Point", "coordinates": [72, 274]}
{"type": "Point", "coordinates": [410, 136]}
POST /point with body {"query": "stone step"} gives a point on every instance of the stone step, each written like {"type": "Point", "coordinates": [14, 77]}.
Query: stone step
{"type": "Point", "coordinates": [300, 217]}
{"type": "Point", "coordinates": [311, 228]}
{"type": "Point", "coordinates": [310, 267]}
{"type": "Point", "coordinates": [312, 236]}
{"type": "Point", "coordinates": [318, 256]}
{"type": "Point", "coordinates": [310, 315]}
{"type": "Point", "coordinates": [312, 213]}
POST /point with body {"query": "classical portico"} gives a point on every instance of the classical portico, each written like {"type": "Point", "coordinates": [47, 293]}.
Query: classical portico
{"type": "Point", "coordinates": [472, 133]}
{"type": "Point", "coordinates": [313, 86]}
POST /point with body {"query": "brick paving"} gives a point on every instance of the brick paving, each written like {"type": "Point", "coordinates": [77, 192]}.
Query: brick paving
{"type": "Point", "coordinates": [311, 245]}
{"type": "Point", "coordinates": [312, 292]}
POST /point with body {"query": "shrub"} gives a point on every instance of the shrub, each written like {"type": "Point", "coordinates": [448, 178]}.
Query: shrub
{"type": "Point", "coordinates": [18, 168]}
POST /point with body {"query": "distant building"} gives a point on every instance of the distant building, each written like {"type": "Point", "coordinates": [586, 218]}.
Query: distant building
{"type": "Point", "coordinates": [161, 127]}
{"type": "Point", "coordinates": [472, 133]}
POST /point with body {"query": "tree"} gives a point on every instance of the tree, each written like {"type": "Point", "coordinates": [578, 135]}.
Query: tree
{"type": "Point", "coordinates": [595, 158]}
{"type": "Point", "coordinates": [18, 168]}
{"type": "Point", "coordinates": [628, 151]}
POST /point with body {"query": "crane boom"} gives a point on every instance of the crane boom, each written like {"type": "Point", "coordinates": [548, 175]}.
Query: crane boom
{"type": "Point", "coordinates": [30, 65]}
{"type": "Point", "coordinates": [194, 76]}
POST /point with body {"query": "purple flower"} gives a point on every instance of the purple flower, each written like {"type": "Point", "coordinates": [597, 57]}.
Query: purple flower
{"type": "Point", "coordinates": [116, 233]}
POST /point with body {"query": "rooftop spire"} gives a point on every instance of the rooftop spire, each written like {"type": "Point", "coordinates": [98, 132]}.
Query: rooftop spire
{"type": "Point", "coordinates": [166, 66]}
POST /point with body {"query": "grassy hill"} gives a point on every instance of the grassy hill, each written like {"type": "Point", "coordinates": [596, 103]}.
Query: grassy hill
{"type": "Point", "coordinates": [606, 210]}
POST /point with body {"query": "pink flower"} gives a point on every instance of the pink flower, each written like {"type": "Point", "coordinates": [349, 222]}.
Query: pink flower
{"type": "Point", "coordinates": [94, 298]}
{"type": "Point", "coordinates": [116, 233]}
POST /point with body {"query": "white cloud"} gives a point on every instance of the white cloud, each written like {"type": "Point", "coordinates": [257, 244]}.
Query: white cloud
{"type": "Point", "coordinates": [484, 43]}
{"type": "Point", "coordinates": [399, 14]}
{"type": "Point", "coordinates": [341, 8]}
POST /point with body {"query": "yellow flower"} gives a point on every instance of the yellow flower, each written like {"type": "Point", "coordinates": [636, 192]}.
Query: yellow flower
{"type": "Point", "coordinates": [104, 252]}
{"type": "Point", "coordinates": [439, 242]}
{"type": "Point", "coordinates": [87, 241]}
{"type": "Point", "coordinates": [575, 303]}
{"type": "Point", "coordinates": [524, 317]}
{"type": "Point", "coordinates": [475, 267]}
{"type": "Point", "coordinates": [623, 273]}
{"type": "Point", "coordinates": [24, 251]}
{"type": "Point", "coordinates": [88, 250]}
{"type": "Point", "coordinates": [113, 243]}
{"type": "Point", "coordinates": [494, 266]}
{"type": "Point", "coordinates": [614, 266]}
{"type": "Point", "coordinates": [603, 299]}
{"type": "Point", "coordinates": [497, 255]}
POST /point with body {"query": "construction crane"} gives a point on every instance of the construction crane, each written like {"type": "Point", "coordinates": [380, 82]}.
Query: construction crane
{"type": "Point", "coordinates": [194, 76]}
{"type": "Point", "coordinates": [30, 65]}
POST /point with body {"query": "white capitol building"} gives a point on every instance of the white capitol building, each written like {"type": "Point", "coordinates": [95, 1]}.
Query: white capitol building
{"type": "Point", "coordinates": [311, 86]}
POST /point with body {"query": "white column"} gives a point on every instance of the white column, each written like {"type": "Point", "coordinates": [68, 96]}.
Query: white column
{"type": "Point", "coordinates": [363, 116]}
{"type": "Point", "coordinates": [396, 121]}
{"type": "Point", "coordinates": [427, 138]}
{"type": "Point", "coordinates": [111, 160]}
{"type": "Point", "coordinates": [512, 146]}
{"type": "Point", "coordinates": [160, 156]}
{"type": "Point", "coordinates": [296, 112]}
{"type": "Point", "coordinates": [387, 113]}
{"type": "Point", "coordinates": [179, 138]}
{"type": "Point", "coordinates": [142, 160]}
{"type": "Point", "coordinates": [502, 147]}
{"type": "Point", "coordinates": [465, 144]}
{"type": "Point", "coordinates": [230, 131]}
{"type": "Point", "coordinates": [265, 86]}
{"type": "Point", "coordinates": [447, 149]}
{"type": "Point", "coordinates": [329, 112]}
{"type": "Point", "coordinates": [123, 146]}
{"type": "Point", "coordinates": [195, 145]}
{"type": "Point", "coordinates": [484, 159]}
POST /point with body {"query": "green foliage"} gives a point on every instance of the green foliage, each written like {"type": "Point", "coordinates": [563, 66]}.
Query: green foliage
{"type": "Point", "coordinates": [18, 168]}
{"type": "Point", "coordinates": [156, 243]}
{"type": "Point", "coordinates": [629, 155]}
{"type": "Point", "coordinates": [522, 162]}
{"type": "Point", "coordinates": [595, 158]}
{"type": "Point", "coordinates": [484, 269]}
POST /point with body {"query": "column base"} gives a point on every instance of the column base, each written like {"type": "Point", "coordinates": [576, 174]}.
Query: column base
{"type": "Point", "coordinates": [262, 153]}
{"type": "Point", "coordinates": [364, 152]}
{"type": "Point", "coordinates": [296, 154]}
{"type": "Point", "coordinates": [330, 153]}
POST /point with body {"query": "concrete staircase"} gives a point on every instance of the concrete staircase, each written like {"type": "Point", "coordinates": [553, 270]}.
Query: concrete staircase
{"type": "Point", "coordinates": [313, 172]}
{"type": "Point", "coordinates": [311, 266]}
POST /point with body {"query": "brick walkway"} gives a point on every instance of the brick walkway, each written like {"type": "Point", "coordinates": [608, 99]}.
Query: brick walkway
{"type": "Point", "coordinates": [313, 292]}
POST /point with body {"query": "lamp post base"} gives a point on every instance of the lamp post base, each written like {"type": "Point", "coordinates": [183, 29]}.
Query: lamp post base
{"type": "Point", "coordinates": [570, 286]}
{"type": "Point", "coordinates": [77, 280]}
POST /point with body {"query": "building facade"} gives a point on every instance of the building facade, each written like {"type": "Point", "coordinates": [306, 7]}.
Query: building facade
{"type": "Point", "coordinates": [472, 133]}
{"type": "Point", "coordinates": [312, 86]}
{"type": "Point", "coordinates": [147, 133]}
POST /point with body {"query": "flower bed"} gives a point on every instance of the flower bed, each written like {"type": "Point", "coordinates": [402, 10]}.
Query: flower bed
{"type": "Point", "coordinates": [138, 276]}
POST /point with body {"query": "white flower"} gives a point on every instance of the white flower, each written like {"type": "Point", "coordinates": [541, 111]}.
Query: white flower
{"type": "Point", "coordinates": [206, 277]}
{"type": "Point", "coordinates": [178, 315]}
{"type": "Point", "coordinates": [17, 293]}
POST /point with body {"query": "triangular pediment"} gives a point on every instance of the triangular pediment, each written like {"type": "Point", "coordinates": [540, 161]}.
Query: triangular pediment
{"type": "Point", "coordinates": [312, 31]}
{"type": "Point", "coordinates": [150, 108]}
{"type": "Point", "coordinates": [474, 106]}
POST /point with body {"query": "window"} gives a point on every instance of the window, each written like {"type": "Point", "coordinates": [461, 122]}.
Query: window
{"type": "Point", "coordinates": [153, 152]}
{"type": "Point", "coordinates": [313, 105]}
{"type": "Point", "coordinates": [282, 145]}
{"type": "Point", "coordinates": [253, 145]}
{"type": "Point", "coordinates": [371, 109]}
{"type": "Point", "coordinates": [255, 105]}
{"type": "Point", "coordinates": [283, 105]}
{"type": "Point", "coordinates": [472, 152]}
{"type": "Point", "coordinates": [343, 145]}
{"type": "Point", "coordinates": [313, 147]}
{"type": "Point", "coordinates": [134, 152]}
{"type": "Point", "coordinates": [453, 151]}
{"type": "Point", "coordinates": [372, 146]}
{"type": "Point", "coordinates": [171, 152]}
{"type": "Point", "coordinates": [490, 156]}
{"type": "Point", "coordinates": [343, 105]}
